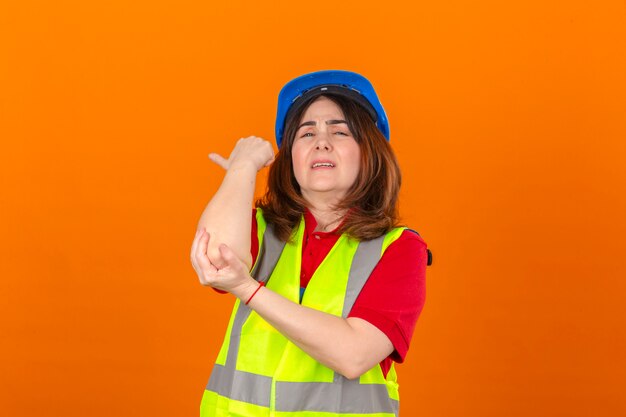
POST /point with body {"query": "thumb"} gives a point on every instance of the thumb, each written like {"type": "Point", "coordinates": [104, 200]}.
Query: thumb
{"type": "Point", "coordinates": [219, 160]}
{"type": "Point", "coordinates": [268, 163]}
{"type": "Point", "coordinates": [229, 256]}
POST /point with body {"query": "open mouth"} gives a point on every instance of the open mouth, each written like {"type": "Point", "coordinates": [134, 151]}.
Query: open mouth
{"type": "Point", "coordinates": [323, 165]}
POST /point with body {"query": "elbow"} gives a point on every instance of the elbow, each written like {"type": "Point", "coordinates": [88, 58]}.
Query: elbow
{"type": "Point", "coordinates": [353, 369]}
{"type": "Point", "coordinates": [360, 353]}
{"type": "Point", "coordinates": [349, 374]}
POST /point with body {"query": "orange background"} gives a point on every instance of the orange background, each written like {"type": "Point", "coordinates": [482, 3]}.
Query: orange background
{"type": "Point", "coordinates": [509, 120]}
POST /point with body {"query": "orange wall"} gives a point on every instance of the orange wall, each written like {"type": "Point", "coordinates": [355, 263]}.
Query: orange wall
{"type": "Point", "coordinates": [509, 120]}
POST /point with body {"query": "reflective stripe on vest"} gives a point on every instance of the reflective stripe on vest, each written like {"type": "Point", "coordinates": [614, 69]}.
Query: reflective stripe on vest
{"type": "Point", "coordinates": [339, 396]}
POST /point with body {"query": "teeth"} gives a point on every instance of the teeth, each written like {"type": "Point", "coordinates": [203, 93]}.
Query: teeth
{"type": "Point", "coordinates": [323, 164]}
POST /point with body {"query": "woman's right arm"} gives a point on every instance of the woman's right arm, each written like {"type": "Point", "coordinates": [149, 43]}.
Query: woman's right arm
{"type": "Point", "coordinates": [227, 216]}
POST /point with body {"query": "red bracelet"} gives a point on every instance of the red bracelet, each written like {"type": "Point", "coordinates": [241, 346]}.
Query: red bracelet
{"type": "Point", "coordinates": [261, 284]}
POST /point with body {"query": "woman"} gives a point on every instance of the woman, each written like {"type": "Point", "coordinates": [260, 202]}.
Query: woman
{"type": "Point", "coordinates": [335, 287]}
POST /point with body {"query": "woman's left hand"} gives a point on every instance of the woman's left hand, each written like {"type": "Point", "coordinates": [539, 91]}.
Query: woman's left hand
{"type": "Point", "coordinates": [233, 277]}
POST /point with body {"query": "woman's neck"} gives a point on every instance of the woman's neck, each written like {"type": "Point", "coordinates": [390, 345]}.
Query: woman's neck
{"type": "Point", "coordinates": [327, 219]}
{"type": "Point", "coordinates": [322, 206]}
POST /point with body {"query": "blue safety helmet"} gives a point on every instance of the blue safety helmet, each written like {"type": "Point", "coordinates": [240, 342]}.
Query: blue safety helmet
{"type": "Point", "coordinates": [345, 83]}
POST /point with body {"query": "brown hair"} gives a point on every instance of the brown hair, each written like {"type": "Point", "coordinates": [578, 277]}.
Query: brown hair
{"type": "Point", "coordinates": [371, 201]}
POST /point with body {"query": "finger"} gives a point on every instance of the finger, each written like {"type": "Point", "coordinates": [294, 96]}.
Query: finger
{"type": "Point", "coordinates": [203, 243]}
{"type": "Point", "coordinates": [204, 261]}
{"type": "Point", "coordinates": [197, 254]}
{"type": "Point", "coordinates": [206, 269]}
{"type": "Point", "coordinates": [219, 160]}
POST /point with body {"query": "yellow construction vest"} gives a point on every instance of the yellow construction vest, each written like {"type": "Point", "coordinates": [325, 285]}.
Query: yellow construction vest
{"type": "Point", "coordinates": [258, 372]}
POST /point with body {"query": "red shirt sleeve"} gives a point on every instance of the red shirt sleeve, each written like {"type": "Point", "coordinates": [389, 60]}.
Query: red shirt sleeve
{"type": "Point", "coordinates": [394, 295]}
{"type": "Point", "coordinates": [254, 239]}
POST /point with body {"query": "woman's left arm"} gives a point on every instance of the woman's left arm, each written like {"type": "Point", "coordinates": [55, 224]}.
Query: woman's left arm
{"type": "Point", "coordinates": [349, 346]}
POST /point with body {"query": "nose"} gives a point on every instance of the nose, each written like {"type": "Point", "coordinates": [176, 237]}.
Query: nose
{"type": "Point", "coordinates": [323, 141]}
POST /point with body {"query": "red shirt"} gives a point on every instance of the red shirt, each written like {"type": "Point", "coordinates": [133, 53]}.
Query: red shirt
{"type": "Point", "coordinates": [393, 296]}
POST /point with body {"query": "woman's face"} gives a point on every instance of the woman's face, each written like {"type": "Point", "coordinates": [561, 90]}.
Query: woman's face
{"type": "Point", "coordinates": [325, 155]}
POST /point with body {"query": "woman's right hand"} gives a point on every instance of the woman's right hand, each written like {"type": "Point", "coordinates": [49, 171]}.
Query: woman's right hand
{"type": "Point", "coordinates": [250, 151]}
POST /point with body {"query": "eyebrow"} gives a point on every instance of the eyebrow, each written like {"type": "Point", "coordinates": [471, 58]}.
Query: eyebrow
{"type": "Point", "coordinates": [328, 122]}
